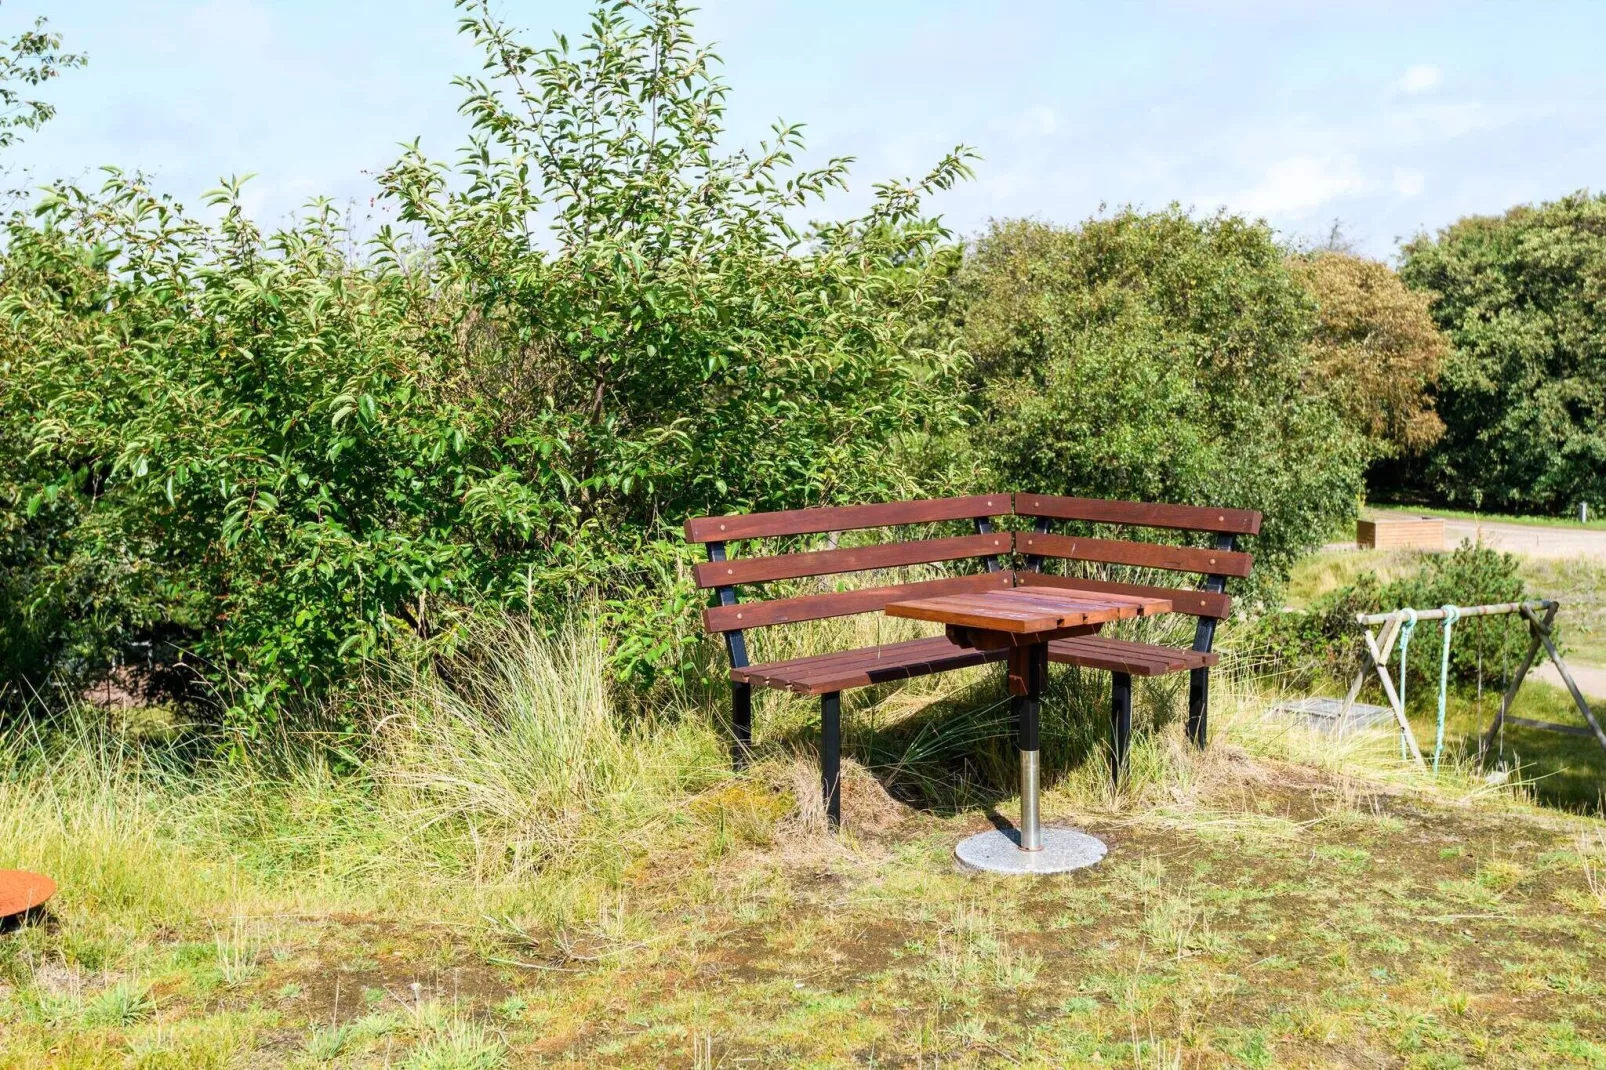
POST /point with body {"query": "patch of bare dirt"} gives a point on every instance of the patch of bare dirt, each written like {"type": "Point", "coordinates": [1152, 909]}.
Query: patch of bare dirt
{"type": "Point", "coordinates": [353, 959]}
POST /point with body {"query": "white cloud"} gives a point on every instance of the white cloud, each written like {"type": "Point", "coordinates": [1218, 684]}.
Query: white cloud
{"type": "Point", "coordinates": [1409, 183]}
{"type": "Point", "coordinates": [1422, 78]}
{"type": "Point", "coordinates": [1295, 187]}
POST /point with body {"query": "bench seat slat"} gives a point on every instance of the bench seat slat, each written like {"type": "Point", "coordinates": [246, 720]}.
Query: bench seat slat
{"type": "Point", "coordinates": [1118, 655]}
{"type": "Point", "coordinates": [1194, 603]}
{"type": "Point", "coordinates": [853, 559]}
{"type": "Point", "coordinates": [841, 603]}
{"type": "Point", "coordinates": [1140, 514]}
{"type": "Point", "coordinates": [845, 669]}
{"type": "Point", "coordinates": [844, 518]}
{"type": "Point", "coordinates": [1139, 554]}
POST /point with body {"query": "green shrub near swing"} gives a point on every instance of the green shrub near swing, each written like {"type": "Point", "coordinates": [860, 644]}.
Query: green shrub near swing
{"type": "Point", "coordinates": [1320, 645]}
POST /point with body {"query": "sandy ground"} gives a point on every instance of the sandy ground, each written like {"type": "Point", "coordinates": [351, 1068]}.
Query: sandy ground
{"type": "Point", "coordinates": [1528, 539]}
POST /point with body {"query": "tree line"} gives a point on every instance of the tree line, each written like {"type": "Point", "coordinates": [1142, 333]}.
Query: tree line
{"type": "Point", "coordinates": [274, 459]}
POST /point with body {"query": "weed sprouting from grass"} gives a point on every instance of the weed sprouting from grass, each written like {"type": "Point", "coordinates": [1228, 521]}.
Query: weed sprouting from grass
{"type": "Point", "coordinates": [122, 1004]}
{"type": "Point", "coordinates": [1592, 860]}
{"type": "Point", "coordinates": [450, 1042]}
{"type": "Point", "coordinates": [238, 950]}
{"type": "Point", "coordinates": [325, 1044]}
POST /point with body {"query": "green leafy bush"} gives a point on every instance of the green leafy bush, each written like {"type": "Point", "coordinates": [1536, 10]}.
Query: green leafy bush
{"type": "Point", "coordinates": [1324, 643]}
{"type": "Point", "coordinates": [592, 325]}
{"type": "Point", "coordinates": [1523, 299]}
{"type": "Point", "coordinates": [1157, 357]}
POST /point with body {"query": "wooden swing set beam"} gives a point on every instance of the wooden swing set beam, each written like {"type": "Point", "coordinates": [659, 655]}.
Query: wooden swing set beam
{"type": "Point", "coordinates": [1498, 609]}
{"type": "Point", "coordinates": [1380, 647]}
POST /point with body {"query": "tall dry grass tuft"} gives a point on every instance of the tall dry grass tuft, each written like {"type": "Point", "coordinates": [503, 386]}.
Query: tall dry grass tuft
{"type": "Point", "coordinates": [512, 781]}
{"type": "Point", "coordinates": [80, 809]}
{"type": "Point", "coordinates": [518, 750]}
{"type": "Point", "coordinates": [512, 776]}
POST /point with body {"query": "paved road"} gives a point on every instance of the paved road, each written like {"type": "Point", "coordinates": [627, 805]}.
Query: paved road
{"type": "Point", "coordinates": [1535, 541]}
{"type": "Point", "coordinates": [1591, 679]}
{"type": "Point", "coordinates": [1528, 539]}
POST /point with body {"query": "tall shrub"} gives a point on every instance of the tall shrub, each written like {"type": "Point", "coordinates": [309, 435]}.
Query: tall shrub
{"type": "Point", "coordinates": [1375, 350]}
{"type": "Point", "coordinates": [593, 324]}
{"type": "Point", "coordinates": [1523, 299]}
{"type": "Point", "coordinates": [1160, 357]}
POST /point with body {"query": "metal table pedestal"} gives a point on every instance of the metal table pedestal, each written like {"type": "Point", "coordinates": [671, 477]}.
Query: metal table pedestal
{"type": "Point", "coordinates": [1030, 848]}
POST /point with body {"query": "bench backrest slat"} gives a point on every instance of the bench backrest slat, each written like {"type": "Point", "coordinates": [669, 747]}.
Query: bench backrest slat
{"type": "Point", "coordinates": [844, 518]}
{"type": "Point", "coordinates": [853, 559]}
{"type": "Point", "coordinates": [841, 603]}
{"type": "Point", "coordinates": [1139, 554]}
{"type": "Point", "coordinates": [1212, 604]}
{"type": "Point", "coordinates": [1140, 514]}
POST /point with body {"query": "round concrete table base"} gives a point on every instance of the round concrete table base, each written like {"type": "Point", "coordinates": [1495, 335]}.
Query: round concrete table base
{"type": "Point", "coordinates": [999, 852]}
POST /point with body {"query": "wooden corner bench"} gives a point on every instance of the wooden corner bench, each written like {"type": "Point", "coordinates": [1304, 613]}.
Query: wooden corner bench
{"type": "Point", "coordinates": [990, 552]}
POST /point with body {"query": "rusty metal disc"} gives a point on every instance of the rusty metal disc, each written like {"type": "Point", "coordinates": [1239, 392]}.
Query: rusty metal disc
{"type": "Point", "coordinates": [21, 890]}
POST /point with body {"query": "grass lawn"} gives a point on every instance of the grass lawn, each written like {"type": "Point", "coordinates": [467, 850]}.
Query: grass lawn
{"type": "Point", "coordinates": [1580, 586]}
{"type": "Point", "coordinates": [1275, 901]}
{"type": "Point", "coordinates": [1595, 523]}
{"type": "Point", "coordinates": [1271, 917]}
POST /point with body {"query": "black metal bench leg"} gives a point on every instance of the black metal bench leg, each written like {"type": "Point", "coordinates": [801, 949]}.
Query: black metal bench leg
{"type": "Point", "coordinates": [1199, 706]}
{"type": "Point", "coordinates": [1120, 724]}
{"type": "Point", "coordinates": [831, 756]}
{"type": "Point", "coordinates": [741, 723]}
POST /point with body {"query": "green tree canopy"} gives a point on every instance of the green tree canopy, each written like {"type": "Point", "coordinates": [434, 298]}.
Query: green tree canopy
{"type": "Point", "coordinates": [1523, 397]}
{"type": "Point", "coordinates": [1159, 357]}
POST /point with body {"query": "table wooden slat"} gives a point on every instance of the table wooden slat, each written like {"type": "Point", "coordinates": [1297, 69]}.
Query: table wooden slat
{"type": "Point", "coordinates": [1021, 611]}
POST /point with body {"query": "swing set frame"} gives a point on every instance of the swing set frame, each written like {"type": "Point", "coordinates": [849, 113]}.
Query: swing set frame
{"type": "Point", "coordinates": [1380, 647]}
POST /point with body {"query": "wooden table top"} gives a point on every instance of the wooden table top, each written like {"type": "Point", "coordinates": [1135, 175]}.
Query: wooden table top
{"type": "Point", "coordinates": [1029, 610]}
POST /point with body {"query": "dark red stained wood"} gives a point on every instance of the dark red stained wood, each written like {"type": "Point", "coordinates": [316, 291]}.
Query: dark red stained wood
{"type": "Point", "coordinates": [844, 518]}
{"type": "Point", "coordinates": [1141, 554]}
{"type": "Point", "coordinates": [1024, 611]}
{"type": "Point", "coordinates": [21, 890]}
{"type": "Point", "coordinates": [841, 603]}
{"type": "Point", "coordinates": [1143, 514]}
{"type": "Point", "coordinates": [1116, 655]}
{"type": "Point", "coordinates": [982, 639]}
{"type": "Point", "coordinates": [854, 559]}
{"type": "Point", "coordinates": [844, 669]}
{"type": "Point", "coordinates": [1194, 603]}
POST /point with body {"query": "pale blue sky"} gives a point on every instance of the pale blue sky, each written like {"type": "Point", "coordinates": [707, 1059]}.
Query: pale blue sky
{"type": "Point", "coordinates": [1392, 116]}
